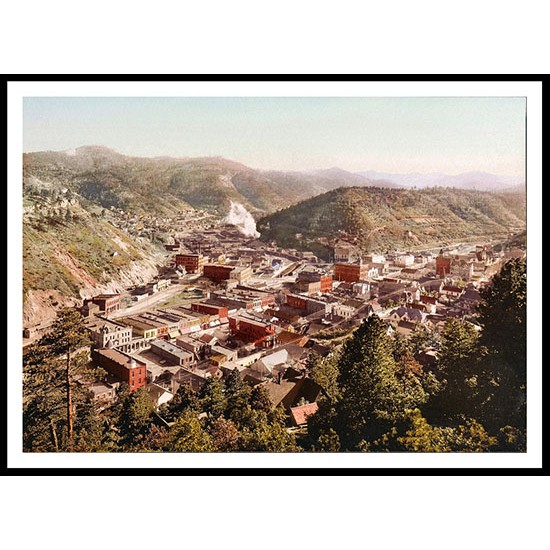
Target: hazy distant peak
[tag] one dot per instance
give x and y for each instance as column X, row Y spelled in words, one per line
column 482, row 181
column 94, row 150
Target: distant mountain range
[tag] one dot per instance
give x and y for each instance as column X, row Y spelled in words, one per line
column 481, row 181
column 162, row 185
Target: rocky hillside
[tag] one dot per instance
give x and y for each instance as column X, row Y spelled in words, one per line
column 71, row 252
column 384, row 219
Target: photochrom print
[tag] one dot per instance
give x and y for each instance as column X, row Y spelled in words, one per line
column 258, row 274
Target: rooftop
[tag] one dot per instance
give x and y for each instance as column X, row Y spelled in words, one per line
column 300, row 414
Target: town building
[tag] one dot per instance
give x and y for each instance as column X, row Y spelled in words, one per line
column 307, row 304
column 217, row 272
column 411, row 273
column 122, row 366
column 345, row 252
column 350, row 273
column 172, row 353
column 312, row 282
column 443, row 265
column 89, row 310
column 252, row 331
column 140, row 327
column 193, row 263
column 404, row 260
column 220, row 355
column 103, row 393
column 187, row 323
column 241, row 274
column 105, row 333
column 196, row 346
column 361, row 289
column 374, row 259
column 108, row 303
column 159, row 395
column 451, row 291
column 211, row 309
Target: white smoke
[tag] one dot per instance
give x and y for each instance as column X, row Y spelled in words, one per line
column 242, row 218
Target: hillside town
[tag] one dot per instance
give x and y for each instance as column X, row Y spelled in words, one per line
column 226, row 301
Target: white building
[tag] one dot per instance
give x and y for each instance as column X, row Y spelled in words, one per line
column 404, row 260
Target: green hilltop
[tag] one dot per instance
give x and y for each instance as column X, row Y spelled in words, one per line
column 379, row 219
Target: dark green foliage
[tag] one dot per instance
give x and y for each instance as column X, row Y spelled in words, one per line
column 188, row 436
column 56, row 410
column 212, row 397
column 324, row 370
column 238, row 395
column 184, row 399
column 266, row 432
column 502, row 315
column 135, row 419
column 415, row 434
column 375, row 390
column 459, row 366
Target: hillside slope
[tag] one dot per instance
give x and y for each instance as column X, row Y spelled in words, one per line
column 71, row 253
column 385, row 219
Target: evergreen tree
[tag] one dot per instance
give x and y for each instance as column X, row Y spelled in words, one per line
column 135, row 419
column 459, row 371
column 51, row 395
column 238, row 395
column 266, row 432
column 324, row 370
column 67, row 337
column 212, row 397
column 415, row 434
column 185, row 399
column 502, row 316
column 372, row 394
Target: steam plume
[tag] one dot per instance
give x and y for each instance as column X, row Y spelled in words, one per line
column 242, row 218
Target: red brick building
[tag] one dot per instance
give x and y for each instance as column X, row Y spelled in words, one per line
column 443, row 265
column 107, row 302
column 193, row 263
column 211, row 309
column 268, row 300
column 252, row 331
column 351, row 273
column 121, row 365
column 297, row 302
column 218, row 273
column 313, row 282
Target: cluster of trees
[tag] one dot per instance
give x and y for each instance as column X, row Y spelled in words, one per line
column 378, row 398
column 224, row 416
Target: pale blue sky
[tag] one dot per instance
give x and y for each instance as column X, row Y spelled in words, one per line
column 450, row 135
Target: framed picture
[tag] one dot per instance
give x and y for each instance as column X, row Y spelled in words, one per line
column 226, row 274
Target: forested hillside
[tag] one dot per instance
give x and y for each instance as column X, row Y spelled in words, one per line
column 384, row 219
